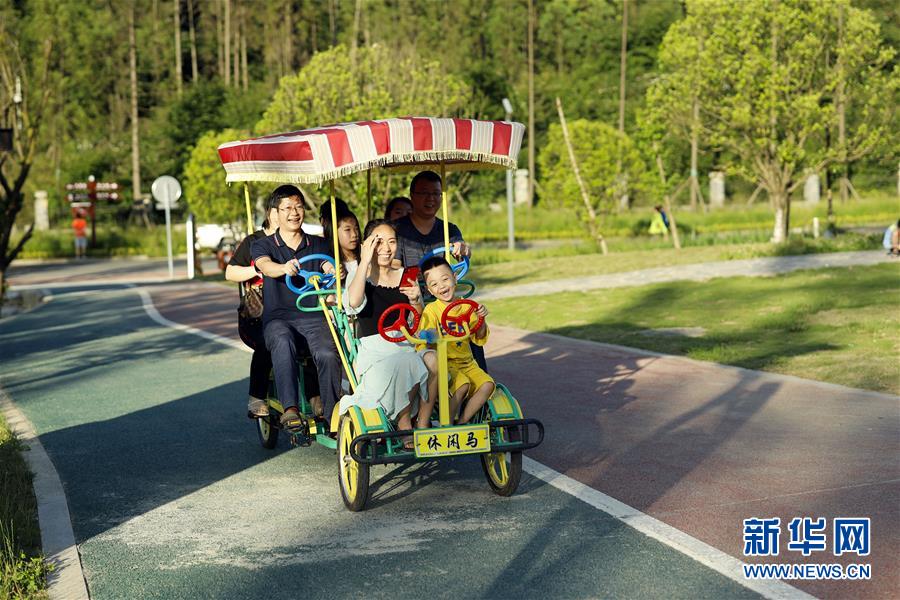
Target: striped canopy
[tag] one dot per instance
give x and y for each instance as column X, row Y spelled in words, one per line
column 313, row 156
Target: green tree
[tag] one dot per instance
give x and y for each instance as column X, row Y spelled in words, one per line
column 374, row 84
column 596, row 147
column 24, row 95
column 765, row 92
column 205, row 192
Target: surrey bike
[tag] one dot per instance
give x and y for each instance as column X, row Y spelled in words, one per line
column 364, row 437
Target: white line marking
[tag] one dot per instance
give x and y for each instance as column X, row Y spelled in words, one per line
column 66, row 582
column 701, row 552
column 147, row 301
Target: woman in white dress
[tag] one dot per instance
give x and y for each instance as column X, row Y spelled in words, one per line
column 391, row 375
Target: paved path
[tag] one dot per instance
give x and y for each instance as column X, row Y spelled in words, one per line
column 766, row 266
column 172, row 497
column 167, row 474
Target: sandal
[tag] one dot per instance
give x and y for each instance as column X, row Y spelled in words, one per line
column 291, row 420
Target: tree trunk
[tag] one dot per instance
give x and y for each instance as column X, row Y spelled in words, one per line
column 236, row 56
column 179, row 77
column 355, row 35
column 781, row 201
column 288, row 50
column 195, row 74
column 245, row 75
column 135, row 124
column 531, row 132
column 621, row 180
column 220, row 38
column 331, row 23
column 695, row 183
column 593, row 223
column 226, row 37
column 840, row 102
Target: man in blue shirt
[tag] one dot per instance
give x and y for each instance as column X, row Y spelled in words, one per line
column 285, row 328
column 420, row 232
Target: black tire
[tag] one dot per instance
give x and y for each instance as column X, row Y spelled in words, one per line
column 353, row 477
column 500, row 485
column 267, row 429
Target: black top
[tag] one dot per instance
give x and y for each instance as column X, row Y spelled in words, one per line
column 412, row 245
column 242, row 256
column 279, row 301
column 378, row 300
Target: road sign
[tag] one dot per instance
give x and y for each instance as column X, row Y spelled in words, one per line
column 167, row 191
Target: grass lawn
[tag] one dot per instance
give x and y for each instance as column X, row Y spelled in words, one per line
column 22, row 571
column 836, row 325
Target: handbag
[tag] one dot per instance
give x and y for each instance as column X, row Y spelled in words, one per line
column 251, row 306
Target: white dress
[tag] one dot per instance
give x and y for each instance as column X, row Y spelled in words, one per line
column 386, row 371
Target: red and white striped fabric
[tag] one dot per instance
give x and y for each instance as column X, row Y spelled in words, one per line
column 324, row 153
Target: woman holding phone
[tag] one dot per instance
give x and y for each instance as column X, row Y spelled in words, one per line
column 391, row 375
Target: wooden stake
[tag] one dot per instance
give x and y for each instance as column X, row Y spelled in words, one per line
column 592, row 214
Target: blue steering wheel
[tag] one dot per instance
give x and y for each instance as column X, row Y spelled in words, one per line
column 325, row 281
column 459, row 269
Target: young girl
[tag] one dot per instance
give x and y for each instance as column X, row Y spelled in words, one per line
column 348, row 236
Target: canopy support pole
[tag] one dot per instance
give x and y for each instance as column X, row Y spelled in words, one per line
column 249, row 210
column 337, row 250
column 368, row 195
column 351, row 376
column 444, row 212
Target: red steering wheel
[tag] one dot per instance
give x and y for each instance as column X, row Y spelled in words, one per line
column 398, row 324
column 463, row 317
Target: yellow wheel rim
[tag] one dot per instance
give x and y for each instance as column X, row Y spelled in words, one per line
column 264, row 427
column 497, row 466
column 349, row 467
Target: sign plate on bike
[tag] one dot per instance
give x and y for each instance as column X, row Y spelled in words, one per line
column 450, row 441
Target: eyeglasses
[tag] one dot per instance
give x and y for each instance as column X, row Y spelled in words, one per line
column 428, row 194
column 289, row 209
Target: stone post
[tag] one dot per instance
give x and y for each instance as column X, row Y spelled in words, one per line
column 41, row 211
column 717, row 188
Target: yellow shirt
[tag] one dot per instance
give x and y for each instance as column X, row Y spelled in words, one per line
column 459, row 351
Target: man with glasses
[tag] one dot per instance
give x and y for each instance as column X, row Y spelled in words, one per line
column 421, row 231
column 288, row 331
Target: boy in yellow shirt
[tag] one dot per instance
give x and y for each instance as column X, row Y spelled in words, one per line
column 467, row 379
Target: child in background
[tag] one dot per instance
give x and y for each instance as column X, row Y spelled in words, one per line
column 348, row 236
column 467, row 379
column 79, row 227
column 397, row 208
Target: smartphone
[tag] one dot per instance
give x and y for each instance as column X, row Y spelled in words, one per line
column 410, row 277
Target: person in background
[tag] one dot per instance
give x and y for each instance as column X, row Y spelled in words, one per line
column 397, row 208
column 79, row 227
column 891, row 240
column 659, row 224
column 241, row 271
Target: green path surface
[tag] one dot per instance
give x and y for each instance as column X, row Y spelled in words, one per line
column 172, row 497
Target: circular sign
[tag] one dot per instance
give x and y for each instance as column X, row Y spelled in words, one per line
column 166, row 190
